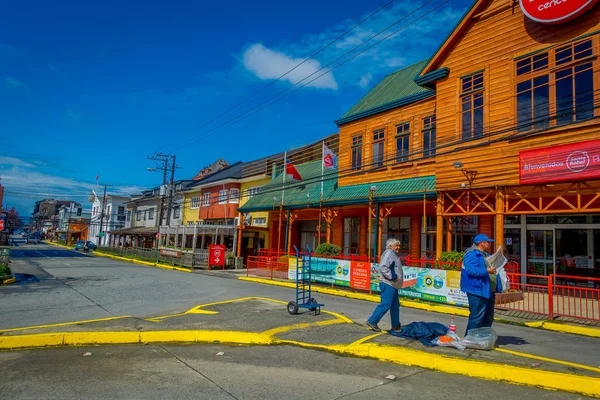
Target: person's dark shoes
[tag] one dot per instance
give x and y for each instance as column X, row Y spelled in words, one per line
column 373, row 327
column 397, row 328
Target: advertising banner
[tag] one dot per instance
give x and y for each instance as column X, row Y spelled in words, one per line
column 420, row 283
column 555, row 11
column 560, row 163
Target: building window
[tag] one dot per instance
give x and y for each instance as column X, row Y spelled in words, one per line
column 223, row 196
column 138, row 216
column 151, row 213
column 429, row 136
column 206, row 199
column 176, row 212
column 108, row 212
column 472, row 105
column 564, row 76
column 398, row 228
column 253, row 191
column 351, row 235
column 259, row 221
column 357, row 152
column 234, row 195
column 121, row 210
column 378, row 147
column 195, row 202
column 128, row 216
column 402, row 142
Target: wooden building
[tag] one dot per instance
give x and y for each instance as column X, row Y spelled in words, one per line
column 497, row 133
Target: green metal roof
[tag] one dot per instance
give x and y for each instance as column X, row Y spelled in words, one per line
column 395, row 87
column 401, row 189
column 296, row 193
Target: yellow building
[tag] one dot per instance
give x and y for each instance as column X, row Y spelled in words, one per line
column 255, row 224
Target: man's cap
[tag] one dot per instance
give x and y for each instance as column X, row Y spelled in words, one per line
column 482, row 237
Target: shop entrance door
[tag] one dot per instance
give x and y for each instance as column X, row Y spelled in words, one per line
column 540, row 252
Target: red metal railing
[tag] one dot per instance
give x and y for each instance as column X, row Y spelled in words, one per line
column 267, row 267
column 574, row 296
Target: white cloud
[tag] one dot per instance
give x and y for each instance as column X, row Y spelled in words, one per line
column 14, row 162
column 365, row 80
column 14, row 83
column 269, row 64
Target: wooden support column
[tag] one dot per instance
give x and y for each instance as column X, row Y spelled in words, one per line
column 240, row 228
column 415, row 236
column 382, row 214
column 499, row 237
column 439, row 226
column 329, row 215
column 195, row 238
column 291, row 217
column 449, row 234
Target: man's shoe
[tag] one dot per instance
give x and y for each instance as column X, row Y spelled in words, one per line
column 397, row 328
column 373, row 327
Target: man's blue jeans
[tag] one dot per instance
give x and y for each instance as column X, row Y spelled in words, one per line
column 389, row 302
column 481, row 311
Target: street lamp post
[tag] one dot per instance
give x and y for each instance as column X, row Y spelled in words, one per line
column 370, row 221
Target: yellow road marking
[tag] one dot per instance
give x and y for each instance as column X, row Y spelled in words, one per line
column 575, row 330
column 552, row 360
column 281, row 329
column 366, row 338
column 63, row 324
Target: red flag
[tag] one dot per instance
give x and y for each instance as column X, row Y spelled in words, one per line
column 291, row 171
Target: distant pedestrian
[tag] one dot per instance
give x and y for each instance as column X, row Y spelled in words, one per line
column 390, row 280
column 480, row 283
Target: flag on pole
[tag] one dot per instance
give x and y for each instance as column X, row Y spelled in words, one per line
column 291, row 171
column 329, row 158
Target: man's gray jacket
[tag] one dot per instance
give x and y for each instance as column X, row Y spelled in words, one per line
column 390, row 269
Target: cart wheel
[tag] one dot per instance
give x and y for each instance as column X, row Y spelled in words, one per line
column 292, row 307
column 313, row 301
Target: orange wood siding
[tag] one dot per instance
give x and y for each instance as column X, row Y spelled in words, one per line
column 216, row 210
column 490, row 43
column 413, row 113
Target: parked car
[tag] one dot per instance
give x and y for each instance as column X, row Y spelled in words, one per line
column 33, row 239
column 81, row 245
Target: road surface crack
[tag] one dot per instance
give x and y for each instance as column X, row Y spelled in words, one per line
column 198, row 372
column 381, row 384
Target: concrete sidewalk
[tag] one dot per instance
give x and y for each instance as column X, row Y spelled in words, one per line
column 263, row 321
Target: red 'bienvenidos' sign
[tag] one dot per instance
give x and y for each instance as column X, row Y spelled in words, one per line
column 555, row 11
column 560, row 163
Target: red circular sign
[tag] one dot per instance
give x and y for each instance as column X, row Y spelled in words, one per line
column 555, row 11
column 1, row 224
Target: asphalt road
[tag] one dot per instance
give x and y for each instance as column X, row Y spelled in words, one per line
column 241, row 372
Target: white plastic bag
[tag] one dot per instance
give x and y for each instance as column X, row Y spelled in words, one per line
column 480, row 338
column 504, row 281
column 448, row 341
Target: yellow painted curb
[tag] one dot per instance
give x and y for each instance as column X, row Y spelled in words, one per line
column 141, row 262
column 573, row 329
column 91, row 338
column 8, row 281
column 584, row 385
column 59, row 245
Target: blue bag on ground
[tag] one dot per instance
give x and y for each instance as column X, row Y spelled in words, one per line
column 480, row 338
column 425, row 332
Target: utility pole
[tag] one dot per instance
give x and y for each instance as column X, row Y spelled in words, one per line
column 102, row 216
column 165, row 163
column 171, row 190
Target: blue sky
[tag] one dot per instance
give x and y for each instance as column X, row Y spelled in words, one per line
column 96, row 88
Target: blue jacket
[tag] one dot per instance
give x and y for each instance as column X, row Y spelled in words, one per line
column 474, row 278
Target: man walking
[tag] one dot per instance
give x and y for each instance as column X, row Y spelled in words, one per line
column 391, row 278
column 480, row 284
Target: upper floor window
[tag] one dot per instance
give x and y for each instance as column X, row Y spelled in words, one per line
column 121, row 210
column 206, row 199
column 234, row 195
column 176, row 211
column 138, row 216
column 402, row 142
column 151, row 213
column 357, row 152
column 555, row 87
column 378, row 147
column 472, row 105
column 429, row 136
column 128, row 216
column 195, row 202
column 253, row 190
column 223, row 196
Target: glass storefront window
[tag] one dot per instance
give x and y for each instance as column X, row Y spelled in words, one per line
column 399, row 228
column 351, row 235
column 512, row 220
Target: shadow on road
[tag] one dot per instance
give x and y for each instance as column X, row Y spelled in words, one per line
column 504, row 340
column 44, row 253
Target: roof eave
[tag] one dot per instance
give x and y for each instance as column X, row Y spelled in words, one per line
column 430, row 77
column 385, row 107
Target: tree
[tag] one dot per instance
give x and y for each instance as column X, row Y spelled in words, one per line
column 13, row 220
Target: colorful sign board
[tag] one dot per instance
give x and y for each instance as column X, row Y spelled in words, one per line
column 421, row 283
column 560, row 163
column 555, row 11
column 216, row 255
